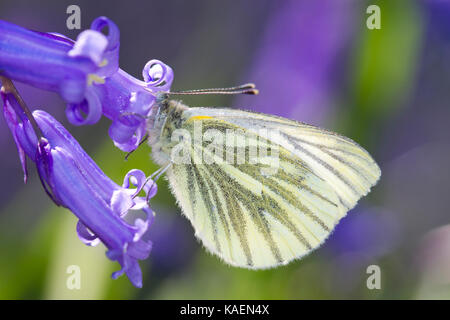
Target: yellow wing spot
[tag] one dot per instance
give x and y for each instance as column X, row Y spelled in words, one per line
column 199, row 118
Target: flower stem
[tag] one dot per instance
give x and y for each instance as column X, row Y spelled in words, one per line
column 8, row 87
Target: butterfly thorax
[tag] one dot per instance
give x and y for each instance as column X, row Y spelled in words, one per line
column 166, row 116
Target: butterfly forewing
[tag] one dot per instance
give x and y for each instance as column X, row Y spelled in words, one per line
column 254, row 217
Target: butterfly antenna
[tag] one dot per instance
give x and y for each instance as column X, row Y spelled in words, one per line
column 248, row 88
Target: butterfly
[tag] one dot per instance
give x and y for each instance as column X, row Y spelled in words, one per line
column 258, row 213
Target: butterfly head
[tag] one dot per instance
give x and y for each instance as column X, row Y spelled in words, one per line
column 161, row 97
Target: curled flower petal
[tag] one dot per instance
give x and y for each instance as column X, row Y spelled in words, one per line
column 113, row 35
column 111, row 55
column 138, row 179
column 124, row 128
column 91, row 107
column 157, row 75
column 90, row 44
column 134, row 178
column 127, row 138
column 87, row 237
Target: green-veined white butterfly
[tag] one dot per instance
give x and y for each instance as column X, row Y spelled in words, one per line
column 245, row 216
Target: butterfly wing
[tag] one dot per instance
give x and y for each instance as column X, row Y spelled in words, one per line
column 340, row 161
column 255, row 220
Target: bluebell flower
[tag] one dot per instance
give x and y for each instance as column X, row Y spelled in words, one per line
column 54, row 62
column 127, row 101
column 86, row 74
column 73, row 180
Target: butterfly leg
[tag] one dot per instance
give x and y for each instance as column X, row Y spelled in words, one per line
column 155, row 176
